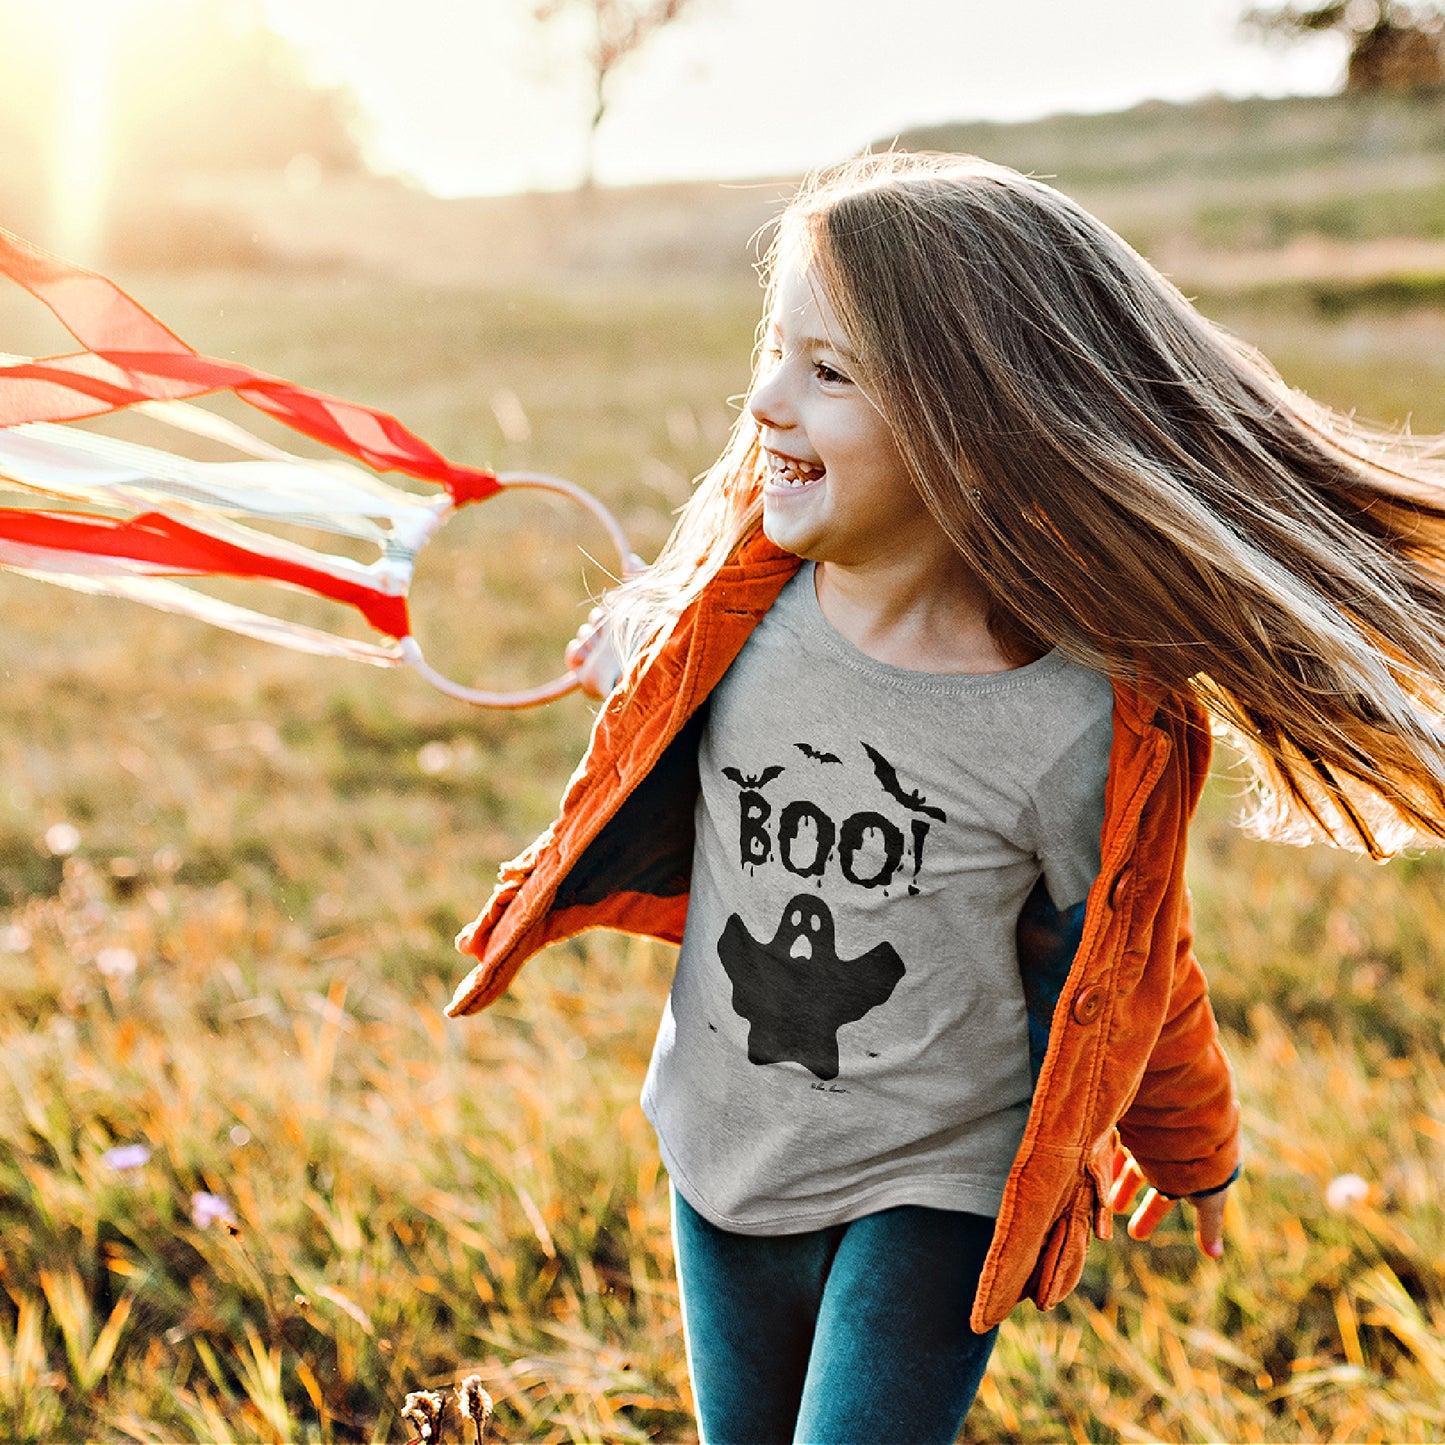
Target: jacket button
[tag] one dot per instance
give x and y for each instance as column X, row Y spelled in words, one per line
column 1088, row 1004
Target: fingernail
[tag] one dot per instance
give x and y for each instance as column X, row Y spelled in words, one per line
column 1216, row 1249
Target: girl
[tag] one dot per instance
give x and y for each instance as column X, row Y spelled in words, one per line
column 915, row 718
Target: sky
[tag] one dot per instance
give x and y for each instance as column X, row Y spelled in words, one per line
column 473, row 97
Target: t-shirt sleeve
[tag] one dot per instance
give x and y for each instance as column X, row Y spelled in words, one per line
column 1069, row 814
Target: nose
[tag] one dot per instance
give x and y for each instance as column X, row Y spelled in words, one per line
column 768, row 401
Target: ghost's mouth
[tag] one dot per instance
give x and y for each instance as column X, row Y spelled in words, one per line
column 802, row 947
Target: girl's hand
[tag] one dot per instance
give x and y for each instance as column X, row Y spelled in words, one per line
column 592, row 656
column 1208, row 1208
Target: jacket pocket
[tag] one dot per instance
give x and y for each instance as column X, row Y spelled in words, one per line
column 1061, row 1260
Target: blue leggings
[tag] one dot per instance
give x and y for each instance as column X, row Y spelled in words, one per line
column 855, row 1333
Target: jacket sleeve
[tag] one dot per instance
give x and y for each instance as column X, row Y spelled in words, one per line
column 1182, row 1126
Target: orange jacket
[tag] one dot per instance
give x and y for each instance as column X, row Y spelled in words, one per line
column 1132, row 1049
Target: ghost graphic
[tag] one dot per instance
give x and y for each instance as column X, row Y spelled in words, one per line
column 795, row 992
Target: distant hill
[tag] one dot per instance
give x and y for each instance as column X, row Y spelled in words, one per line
column 1250, row 194
column 1225, row 195
column 1211, row 140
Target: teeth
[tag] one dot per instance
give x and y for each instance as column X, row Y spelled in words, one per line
column 789, row 473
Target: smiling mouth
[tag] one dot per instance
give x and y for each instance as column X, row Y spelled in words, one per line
column 789, row 472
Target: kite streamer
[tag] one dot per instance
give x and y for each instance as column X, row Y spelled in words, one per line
column 173, row 518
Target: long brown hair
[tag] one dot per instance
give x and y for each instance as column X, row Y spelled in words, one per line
column 1138, row 487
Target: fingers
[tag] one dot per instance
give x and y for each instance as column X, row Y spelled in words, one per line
column 582, row 645
column 1209, row 1223
column 1208, row 1220
column 1128, row 1179
column 591, row 656
column 1145, row 1220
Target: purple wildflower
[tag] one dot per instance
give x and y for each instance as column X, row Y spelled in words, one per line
column 127, row 1156
column 208, row 1209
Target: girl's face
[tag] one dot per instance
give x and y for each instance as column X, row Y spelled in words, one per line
column 837, row 490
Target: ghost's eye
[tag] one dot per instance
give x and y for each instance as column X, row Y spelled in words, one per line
column 796, row 918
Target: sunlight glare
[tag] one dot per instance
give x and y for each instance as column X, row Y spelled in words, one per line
column 87, row 32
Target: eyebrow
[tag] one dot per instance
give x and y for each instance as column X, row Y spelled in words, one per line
column 809, row 343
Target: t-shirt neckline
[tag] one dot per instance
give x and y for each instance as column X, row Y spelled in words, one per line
column 854, row 657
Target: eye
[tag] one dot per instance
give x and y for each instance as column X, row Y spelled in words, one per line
column 829, row 375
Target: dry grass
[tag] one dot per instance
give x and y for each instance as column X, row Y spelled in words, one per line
column 238, row 956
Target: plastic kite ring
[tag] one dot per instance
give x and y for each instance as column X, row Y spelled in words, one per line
column 629, row 565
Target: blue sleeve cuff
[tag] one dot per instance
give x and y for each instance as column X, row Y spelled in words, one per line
column 1205, row 1193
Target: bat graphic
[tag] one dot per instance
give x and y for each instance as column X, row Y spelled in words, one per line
column 761, row 781
column 817, row 755
column 888, row 776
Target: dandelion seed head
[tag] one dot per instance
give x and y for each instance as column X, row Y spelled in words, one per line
column 434, row 758
column 474, row 1402
column 423, row 1408
column 116, row 964
column 62, row 839
column 1345, row 1191
column 15, row 938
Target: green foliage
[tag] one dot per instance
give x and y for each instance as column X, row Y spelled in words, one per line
column 1366, row 215
column 1293, row 138
column 1185, row 181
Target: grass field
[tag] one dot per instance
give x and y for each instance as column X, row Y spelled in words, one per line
column 230, row 877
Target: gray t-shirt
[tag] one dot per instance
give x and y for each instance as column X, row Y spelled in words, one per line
column 846, row 1029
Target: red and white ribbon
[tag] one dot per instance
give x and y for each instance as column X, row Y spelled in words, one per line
column 180, row 518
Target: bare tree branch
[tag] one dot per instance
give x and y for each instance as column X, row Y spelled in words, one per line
column 618, row 29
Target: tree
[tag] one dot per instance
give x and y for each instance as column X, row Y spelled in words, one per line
column 1394, row 45
column 618, row 28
